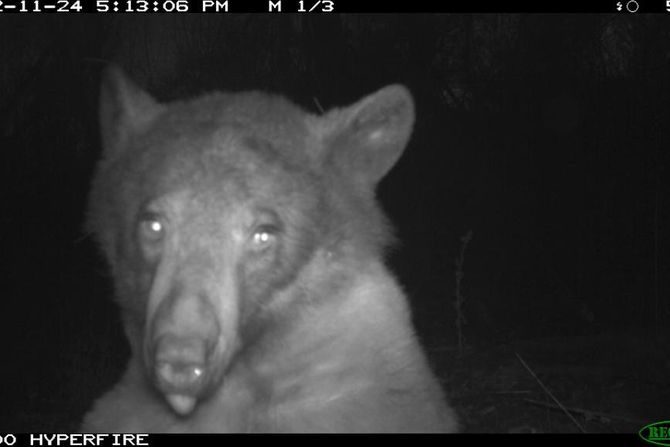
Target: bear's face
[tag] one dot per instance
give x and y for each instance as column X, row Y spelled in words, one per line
column 212, row 230
column 208, row 209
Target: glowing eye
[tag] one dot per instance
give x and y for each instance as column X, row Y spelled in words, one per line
column 264, row 236
column 155, row 226
column 152, row 227
column 261, row 238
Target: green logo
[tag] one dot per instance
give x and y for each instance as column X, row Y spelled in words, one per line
column 657, row 433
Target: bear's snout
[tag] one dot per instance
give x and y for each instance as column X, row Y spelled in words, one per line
column 184, row 349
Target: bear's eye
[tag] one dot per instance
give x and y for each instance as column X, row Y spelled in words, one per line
column 151, row 227
column 264, row 236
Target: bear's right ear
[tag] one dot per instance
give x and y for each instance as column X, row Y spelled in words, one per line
column 366, row 139
column 125, row 109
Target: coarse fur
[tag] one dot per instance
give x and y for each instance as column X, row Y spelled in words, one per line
column 246, row 248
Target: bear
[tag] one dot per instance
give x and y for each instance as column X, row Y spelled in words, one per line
column 247, row 252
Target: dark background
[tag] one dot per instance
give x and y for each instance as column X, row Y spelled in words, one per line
column 545, row 136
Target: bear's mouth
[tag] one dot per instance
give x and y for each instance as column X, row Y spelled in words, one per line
column 181, row 370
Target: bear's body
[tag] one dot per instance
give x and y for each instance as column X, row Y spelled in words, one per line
column 246, row 248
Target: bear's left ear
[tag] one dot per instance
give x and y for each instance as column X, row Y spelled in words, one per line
column 125, row 109
column 364, row 140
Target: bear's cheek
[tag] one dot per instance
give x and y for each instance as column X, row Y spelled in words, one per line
column 260, row 277
column 136, row 275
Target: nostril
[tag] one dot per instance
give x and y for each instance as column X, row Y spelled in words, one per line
column 184, row 350
column 180, row 375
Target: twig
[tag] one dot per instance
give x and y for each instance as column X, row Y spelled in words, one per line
column 460, row 299
column 587, row 412
column 546, row 390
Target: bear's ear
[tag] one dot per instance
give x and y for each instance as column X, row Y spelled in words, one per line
column 364, row 140
column 124, row 110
